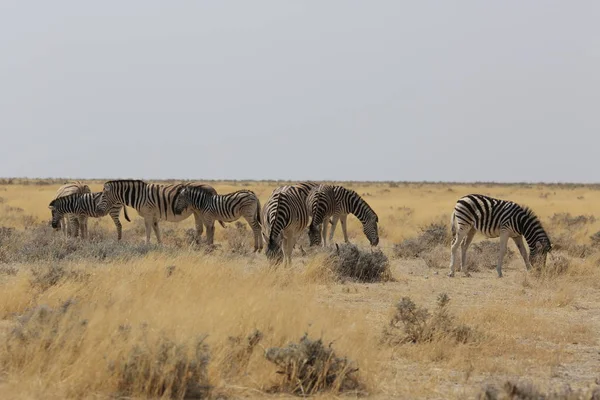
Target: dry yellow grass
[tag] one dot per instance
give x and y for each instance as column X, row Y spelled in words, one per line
column 540, row 329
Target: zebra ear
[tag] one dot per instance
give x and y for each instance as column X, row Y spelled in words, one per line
column 106, row 187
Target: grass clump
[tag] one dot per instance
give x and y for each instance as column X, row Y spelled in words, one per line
column 164, row 369
column 432, row 235
column 308, row 367
column 348, row 261
column 527, row 391
column 413, row 324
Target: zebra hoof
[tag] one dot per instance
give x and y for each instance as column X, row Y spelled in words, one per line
column 451, row 275
column 466, row 274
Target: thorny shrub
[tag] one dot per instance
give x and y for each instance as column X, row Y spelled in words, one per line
column 527, row 391
column 164, row 369
column 413, row 324
column 432, row 235
column 308, row 367
column 348, row 261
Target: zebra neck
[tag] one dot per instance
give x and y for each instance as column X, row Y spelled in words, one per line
column 533, row 232
column 360, row 209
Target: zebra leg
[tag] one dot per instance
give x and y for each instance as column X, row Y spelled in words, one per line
column 521, row 246
column 255, row 225
column 288, row 246
column 199, row 226
column 74, row 222
column 210, row 230
column 148, row 223
column 114, row 214
column 503, row 243
column 343, row 220
column 456, row 242
column 464, row 247
column 334, row 221
column 324, row 232
column 156, row 231
column 83, row 226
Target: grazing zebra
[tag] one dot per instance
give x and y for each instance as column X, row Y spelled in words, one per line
column 83, row 206
column 285, row 216
column 70, row 224
column 321, row 206
column 222, row 207
column 152, row 202
column 497, row 218
column 349, row 202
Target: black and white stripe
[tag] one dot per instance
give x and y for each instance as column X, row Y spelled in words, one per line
column 152, row 202
column 82, row 206
column 223, row 208
column 285, row 217
column 321, row 206
column 497, row 218
column 349, row 202
column 70, row 223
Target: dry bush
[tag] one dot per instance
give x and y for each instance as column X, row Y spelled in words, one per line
column 237, row 239
column 239, row 352
column 556, row 264
column 568, row 221
column 595, row 238
column 527, row 391
column 413, row 324
column 431, row 236
column 43, row 244
column 348, row 261
column 308, row 367
column 164, row 368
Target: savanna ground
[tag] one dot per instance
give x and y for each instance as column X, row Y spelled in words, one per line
column 103, row 319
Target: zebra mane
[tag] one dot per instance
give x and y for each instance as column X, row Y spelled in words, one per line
column 362, row 201
column 127, row 181
column 533, row 216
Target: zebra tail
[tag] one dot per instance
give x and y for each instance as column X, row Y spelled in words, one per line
column 453, row 224
column 271, row 237
column 222, row 223
column 125, row 213
column 258, row 215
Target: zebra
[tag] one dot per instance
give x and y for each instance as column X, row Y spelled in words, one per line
column 153, row 202
column 70, row 224
column 349, row 202
column 285, row 216
column 321, row 206
column 83, row 206
column 497, row 218
column 222, row 207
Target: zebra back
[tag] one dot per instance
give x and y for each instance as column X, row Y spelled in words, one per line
column 144, row 197
column 349, row 202
column 489, row 215
column 286, row 208
column 72, row 188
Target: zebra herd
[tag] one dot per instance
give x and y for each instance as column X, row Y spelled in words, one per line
column 288, row 212
column 279, row 223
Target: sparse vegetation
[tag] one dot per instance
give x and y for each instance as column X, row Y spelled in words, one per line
column 413, row 324
column 105, row 319
column 308, row 367
column 527, row 391
column 347, row 261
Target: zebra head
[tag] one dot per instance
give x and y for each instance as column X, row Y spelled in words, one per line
column 274, row 252
column 57, row 216
column 314, row 234
column 538, row 253
column 370, row 230
column 182, row 201
column 108, row 198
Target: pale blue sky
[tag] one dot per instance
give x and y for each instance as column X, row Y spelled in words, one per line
column 341, row 90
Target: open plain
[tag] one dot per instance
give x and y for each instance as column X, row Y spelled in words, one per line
column 101, row 318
